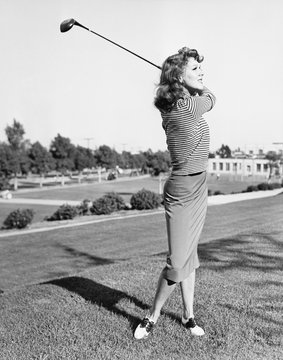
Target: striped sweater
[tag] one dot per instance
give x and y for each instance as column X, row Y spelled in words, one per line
column 187, row 133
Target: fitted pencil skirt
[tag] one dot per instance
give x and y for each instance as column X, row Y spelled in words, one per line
column 185, row 202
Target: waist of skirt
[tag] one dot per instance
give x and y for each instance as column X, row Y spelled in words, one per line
column 191, row 174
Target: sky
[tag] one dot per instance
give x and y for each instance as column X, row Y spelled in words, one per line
column 82, row 87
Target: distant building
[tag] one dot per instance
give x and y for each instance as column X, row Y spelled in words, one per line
column 240, row 154
column 242, row 167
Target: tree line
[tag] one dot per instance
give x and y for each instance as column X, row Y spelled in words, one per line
column 19, row 156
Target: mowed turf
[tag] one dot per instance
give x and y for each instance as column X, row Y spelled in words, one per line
column 126, row 188
column 95, row 282
column 44, row 255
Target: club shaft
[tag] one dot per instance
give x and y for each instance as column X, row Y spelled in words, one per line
column 120, row 46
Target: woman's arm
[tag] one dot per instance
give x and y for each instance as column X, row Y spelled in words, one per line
column 207, row 92
column 198, row 105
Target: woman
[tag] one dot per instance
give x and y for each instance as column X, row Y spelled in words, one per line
column 182, row 100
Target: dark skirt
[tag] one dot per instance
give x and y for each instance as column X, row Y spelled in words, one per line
column 185, row 202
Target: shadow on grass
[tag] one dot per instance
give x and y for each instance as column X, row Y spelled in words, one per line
column 251, row 251
column 84, row 260
column 255, row 251
column 252, row 313
column 72, row 260
column 106, row 297
column 101, row 295
column 261, row 284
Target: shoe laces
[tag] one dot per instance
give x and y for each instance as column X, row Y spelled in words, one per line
column 191, row 323
column 147, row 324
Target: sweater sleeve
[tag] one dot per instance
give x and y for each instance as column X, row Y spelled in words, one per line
column 207, row 92
column 198, row 105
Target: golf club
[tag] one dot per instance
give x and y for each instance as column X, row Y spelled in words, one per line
column 67, row 25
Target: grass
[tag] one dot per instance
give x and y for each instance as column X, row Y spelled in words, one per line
column 125, row 188
column 59, row 252
column 89, row 286
column 92, row 191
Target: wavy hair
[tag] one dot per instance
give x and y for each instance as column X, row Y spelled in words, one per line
column 170, row 88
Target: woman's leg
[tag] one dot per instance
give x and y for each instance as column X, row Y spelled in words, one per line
column 187, row 290
column 164, row 289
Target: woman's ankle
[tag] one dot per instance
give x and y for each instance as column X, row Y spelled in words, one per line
column 154, row 316
column 188, row 314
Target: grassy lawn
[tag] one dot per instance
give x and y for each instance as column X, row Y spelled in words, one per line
column 89, row 286
column 93, row 191
column 126, row 188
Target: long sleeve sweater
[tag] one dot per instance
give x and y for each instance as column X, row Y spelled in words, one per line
column 187, row 133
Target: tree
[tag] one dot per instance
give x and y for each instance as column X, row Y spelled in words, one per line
column 161, row 162
column 83, row 158
column 63, row 151
column 274, row 160
column 128, row 160
column 139, row 160
column 18, row 157
column 224, row 151
column 41, row 159
column 6, row 160
column 157, row 162
column 15, row 135
column 272, row 156
column 106, row 157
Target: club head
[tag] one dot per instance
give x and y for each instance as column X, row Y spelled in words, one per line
column 66, row 25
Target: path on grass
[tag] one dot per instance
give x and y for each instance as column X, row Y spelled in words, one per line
column 83, row 221
column 212, row 200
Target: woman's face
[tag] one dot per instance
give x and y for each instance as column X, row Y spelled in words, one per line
column 193, row 75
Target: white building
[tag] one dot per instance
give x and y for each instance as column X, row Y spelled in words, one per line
column 257, row 168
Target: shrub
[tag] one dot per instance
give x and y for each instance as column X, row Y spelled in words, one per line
column 218, row 192
column 145, row 199
column 251, row 188
column 84, row 207
column 65, row 212
column 107, row 204
column 262, row 186
column 111, row 176
column 273, row 186
column 4, row 184
column 18, row 219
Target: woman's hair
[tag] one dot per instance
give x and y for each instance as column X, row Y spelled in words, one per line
column 170, row 88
